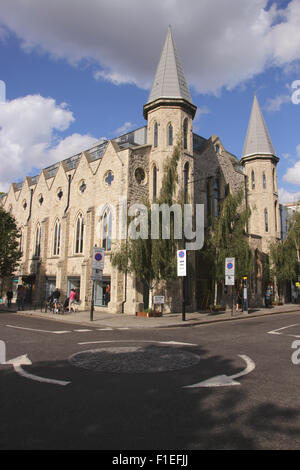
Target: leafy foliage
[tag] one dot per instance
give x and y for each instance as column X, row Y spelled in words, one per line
column 227, row 238
column 285, row 254
column 9, row 245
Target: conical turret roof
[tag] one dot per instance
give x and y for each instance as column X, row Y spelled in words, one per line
column 169, row 80
column 258, row 141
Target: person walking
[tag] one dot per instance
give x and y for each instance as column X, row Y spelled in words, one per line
column 21, row 296
column 239, row 297
column 9, row 296
column 72, row 300
column 268, row 296
column 55, row 296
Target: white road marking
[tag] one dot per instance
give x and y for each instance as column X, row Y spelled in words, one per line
column 278, row 331
column 82, row 330
column 139, row 341
column 17, row 362
column 104, row 329
column 34, row 329
column 225, row 380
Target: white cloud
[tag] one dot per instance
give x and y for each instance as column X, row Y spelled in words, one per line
column 127, row 126
column 286, row 196
column 292, row 174
column 220, row 43
column 274, row 104
column 29, row 136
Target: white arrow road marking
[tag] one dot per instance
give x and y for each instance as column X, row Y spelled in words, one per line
column 17, row 362
column 224, row 380
column 278, row 331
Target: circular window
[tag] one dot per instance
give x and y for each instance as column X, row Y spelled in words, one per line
column 60, row 193
column 82, row 186
column 108, row 178
column 140, row 175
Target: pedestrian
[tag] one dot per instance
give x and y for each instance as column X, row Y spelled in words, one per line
column 107, row 294
column 9, row 295
column 268, row 296
column 239, row 298
column 72, row 300
column 56, row 296
column 20, row 296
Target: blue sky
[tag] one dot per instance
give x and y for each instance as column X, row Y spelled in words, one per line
column 76, row 72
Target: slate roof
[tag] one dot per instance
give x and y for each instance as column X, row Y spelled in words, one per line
column 258, row 141
column 169, row 80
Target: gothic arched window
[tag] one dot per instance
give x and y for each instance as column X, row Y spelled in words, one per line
column 216, row 197
column 38, row 235
column 252, row 179
column 170, row 134
column 266, row 220
column 185, row 132
column 264, row 181
column 185, row 180
column 56, row 240
column 79, row 234
column 155, row 134
column 107, row 228
column 154, row 183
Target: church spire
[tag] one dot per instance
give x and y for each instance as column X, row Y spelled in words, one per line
column 258, row 141
column 169, row 81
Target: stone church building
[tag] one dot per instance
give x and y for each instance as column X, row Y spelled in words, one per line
column 72, row 206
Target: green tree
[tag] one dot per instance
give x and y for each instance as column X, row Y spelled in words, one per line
column 285, row 254
column 227, row 238
column 9, row 246
column 153, row 260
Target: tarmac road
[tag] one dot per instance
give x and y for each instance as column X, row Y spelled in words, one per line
column 88, row 387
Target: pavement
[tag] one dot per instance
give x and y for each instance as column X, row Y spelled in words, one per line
column 171, row 320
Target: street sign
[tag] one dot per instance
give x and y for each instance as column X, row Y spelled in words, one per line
column 229, row 266
column 229, row 280
column 181, row 263
column 98, row 258
column 97, row 274
column 158, row 299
